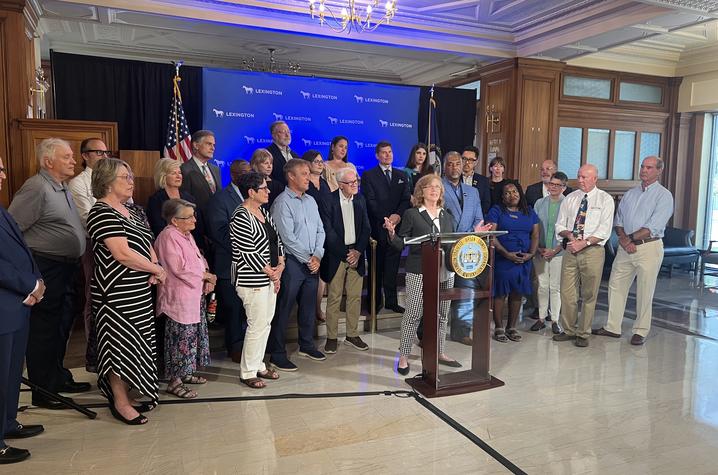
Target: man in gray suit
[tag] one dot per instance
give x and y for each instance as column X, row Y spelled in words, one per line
column 200, row 178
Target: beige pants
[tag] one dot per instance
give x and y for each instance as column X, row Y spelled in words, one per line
column 644, row 264
column 548, row 274
column 580, row 271
column 349, row 279
column 259, row 303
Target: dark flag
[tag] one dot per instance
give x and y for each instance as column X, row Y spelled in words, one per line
column 178, row 145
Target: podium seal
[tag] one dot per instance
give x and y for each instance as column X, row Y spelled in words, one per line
column 469, row 256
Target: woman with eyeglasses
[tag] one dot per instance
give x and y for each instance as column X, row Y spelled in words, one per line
column 426, row 217
column 125, row 268
column 181, row 299
column 338, row 158
column 261, row 162
column 513, row 258
column 417, row 165
column 257, row 266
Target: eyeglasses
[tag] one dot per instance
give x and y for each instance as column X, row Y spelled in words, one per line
column 317, row 161
column 265, row 187
column 193, row 216
column 467, row 159
column 106, row 153
column 353, row 182
column 128, row 178
column 556, row 184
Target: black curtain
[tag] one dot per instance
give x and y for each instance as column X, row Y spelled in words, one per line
column 135, row 94
column 455, row 116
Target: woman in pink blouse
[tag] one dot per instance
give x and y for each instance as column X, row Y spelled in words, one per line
column 181, row 300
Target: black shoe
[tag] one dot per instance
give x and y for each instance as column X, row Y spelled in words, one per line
column 563, row 337
column 75, row 387
column 283, row 365
column 13, row 455
column 139, row 420
column 356, row 342
column 396, row 308
column 539, row 325
column 23, row 432
column 451, row 363
column 403, row 371
column 330, row 347
column 313, row 354
column 581, row 342
column 49, row 403
column 548, row 318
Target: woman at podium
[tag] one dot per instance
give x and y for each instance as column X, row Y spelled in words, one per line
column 514, row 252
column 426, row 217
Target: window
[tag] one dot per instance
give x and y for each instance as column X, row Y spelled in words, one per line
column 570, row 140
column 623, row 152
column 587, row 87
column 629, row 91
column 597, row 150
column 650, row 144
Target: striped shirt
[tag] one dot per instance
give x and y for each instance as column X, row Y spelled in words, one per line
column 250, row 248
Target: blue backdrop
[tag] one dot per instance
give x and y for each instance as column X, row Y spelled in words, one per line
column 239, row 106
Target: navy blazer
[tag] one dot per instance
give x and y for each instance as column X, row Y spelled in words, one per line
column 335, row 251
column 481, row 183
column 470, row 215
column 18, row 275
column 278, row 162
column 535, row 192
column 219, row 212
column 383, row 200
column 194, row 182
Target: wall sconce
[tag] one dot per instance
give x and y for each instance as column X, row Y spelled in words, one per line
column 493, row 120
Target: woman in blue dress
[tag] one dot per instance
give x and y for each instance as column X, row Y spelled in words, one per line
column 512, row 261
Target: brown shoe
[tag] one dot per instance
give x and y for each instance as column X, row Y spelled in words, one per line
column 638, row 340
column 581, row 342
column 603, row 332
column 563, row 337
column 467, row 340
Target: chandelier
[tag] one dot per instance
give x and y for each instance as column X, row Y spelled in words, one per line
column 349, row 17
column 272, row 65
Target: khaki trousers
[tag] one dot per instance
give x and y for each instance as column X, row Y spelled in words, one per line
column 580, row 271
column 349, row 279
column 644, row 264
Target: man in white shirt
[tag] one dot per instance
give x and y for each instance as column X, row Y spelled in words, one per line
column 640, row 222
column 92, row 151
column 584, row 225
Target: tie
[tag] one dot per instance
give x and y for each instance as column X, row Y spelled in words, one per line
column 387, row 174
column 580, row 221
column 208, row 177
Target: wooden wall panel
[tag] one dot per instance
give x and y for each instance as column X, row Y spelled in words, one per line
column 142, row 163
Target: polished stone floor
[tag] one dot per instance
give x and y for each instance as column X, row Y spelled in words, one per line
column 610, row 408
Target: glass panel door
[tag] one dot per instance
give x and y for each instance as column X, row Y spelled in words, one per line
column 711, row 227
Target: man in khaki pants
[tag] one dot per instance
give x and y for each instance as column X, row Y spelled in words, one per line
column 640, row 222
column 347, row 228
column 583, row 224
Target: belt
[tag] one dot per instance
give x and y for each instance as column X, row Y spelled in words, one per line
column 50, row 257
column 638, row 242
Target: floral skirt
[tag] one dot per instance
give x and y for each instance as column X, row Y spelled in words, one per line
column 186, row 347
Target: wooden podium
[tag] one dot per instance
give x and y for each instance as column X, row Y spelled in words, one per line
column 477, row 377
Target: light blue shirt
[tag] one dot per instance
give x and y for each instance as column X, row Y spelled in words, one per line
column 650, row 209
column 299, row 225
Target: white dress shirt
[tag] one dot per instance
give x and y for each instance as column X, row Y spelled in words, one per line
column 81, row 189
column 202, row 168
column 347, row 206
column 599, row 215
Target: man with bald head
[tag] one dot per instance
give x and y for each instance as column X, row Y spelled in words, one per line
column 281, row 153
column 584, row 225
column 540, row 189
column 640, row 222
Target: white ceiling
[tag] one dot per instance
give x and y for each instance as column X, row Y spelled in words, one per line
column 428, row 41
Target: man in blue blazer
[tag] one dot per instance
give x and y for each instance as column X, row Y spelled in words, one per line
column 464, row 203
column 469, row 157
column 387, row 194
column 281, row 153
column 21, row 287
column 347, row 229
column 231, row 309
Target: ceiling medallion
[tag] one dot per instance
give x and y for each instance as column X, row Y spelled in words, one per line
column 349, row 18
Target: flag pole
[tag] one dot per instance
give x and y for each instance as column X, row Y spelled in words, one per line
column 431, row 101
column 177, row 93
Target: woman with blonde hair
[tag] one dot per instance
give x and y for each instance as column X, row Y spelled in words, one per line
column 168, row 179
column 426, row 217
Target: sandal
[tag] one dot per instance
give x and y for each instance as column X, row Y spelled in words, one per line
column 181, row 391
column 513, row 334
column 268, row 374
column 254, row 383
column 144, row 406
column 192, row 379
column 500, row 335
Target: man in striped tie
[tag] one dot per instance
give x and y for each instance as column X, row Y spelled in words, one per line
column 200, row 178
column 584, row 224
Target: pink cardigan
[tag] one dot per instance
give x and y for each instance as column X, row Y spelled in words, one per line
column 179, row 296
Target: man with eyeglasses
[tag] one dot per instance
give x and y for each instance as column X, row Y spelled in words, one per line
column 347, row 228
column 281, row 153
column 541, row 189
column 469, row 157
column 92, row 151
column 48, row 218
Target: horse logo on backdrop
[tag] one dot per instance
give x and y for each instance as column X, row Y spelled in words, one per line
column 277, row 116
column 359, row 99
column 307, row 142
column 306, row 95
column 248, row 90
column 332, row 120
column 249, row 139
column 469, row 256
column 218, row 113
column 359, row 144
column 384, row 123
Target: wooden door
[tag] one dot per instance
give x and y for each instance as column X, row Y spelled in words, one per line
column 535, row 124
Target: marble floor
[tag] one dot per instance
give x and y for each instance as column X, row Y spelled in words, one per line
column 610, row 408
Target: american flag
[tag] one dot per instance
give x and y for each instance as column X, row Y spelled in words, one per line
column 178, row 145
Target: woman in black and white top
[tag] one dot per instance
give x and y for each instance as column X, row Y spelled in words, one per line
column 426, row 217
column 257, row 265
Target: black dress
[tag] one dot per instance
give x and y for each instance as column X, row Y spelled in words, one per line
column 122, row 303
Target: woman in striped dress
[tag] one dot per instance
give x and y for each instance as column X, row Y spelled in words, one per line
column 125, row 268
column 257, row 265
